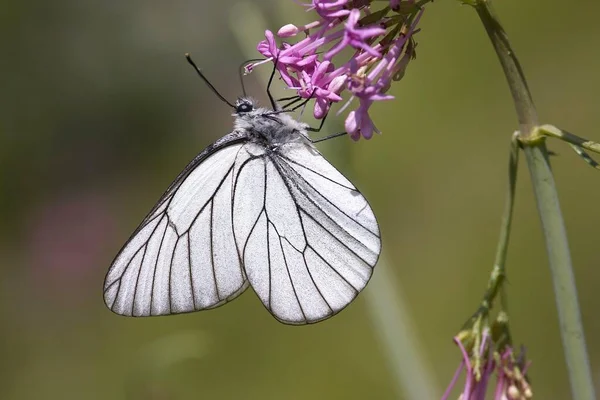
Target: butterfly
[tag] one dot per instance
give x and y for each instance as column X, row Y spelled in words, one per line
column 260, row 207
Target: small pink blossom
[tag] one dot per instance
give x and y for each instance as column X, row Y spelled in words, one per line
column 359, row 122
column 509, row 370
column 356, row 37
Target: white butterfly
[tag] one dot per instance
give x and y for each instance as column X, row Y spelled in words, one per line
column 261, row 206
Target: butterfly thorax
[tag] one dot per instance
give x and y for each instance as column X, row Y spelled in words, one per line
column 270, row 128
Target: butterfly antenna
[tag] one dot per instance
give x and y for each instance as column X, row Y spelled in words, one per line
column 215, row 91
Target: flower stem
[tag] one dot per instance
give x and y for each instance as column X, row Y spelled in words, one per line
column 548, row 205
column 524, row 106
column 499, row 272
column 498, row 275
column 562, row 273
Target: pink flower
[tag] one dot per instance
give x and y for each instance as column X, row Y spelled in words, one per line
column 511, row 382
column 359, row 123
column 316, row 84
column 381, row 46
column 356, row 37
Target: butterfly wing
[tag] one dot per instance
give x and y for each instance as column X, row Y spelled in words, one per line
column 183, row 257
column 308, row 240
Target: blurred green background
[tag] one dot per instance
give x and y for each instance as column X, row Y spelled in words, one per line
column 100, row 111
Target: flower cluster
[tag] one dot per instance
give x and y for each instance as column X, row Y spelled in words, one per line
column 381, row 45
column 511, row 382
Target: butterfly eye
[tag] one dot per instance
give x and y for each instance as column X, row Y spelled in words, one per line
column 244, row 108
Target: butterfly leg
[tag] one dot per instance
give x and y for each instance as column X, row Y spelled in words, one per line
column 328, row 137
column 311, row 129
column 302, row 104
column 294, row 99
column 273, row 103
column 288, row 98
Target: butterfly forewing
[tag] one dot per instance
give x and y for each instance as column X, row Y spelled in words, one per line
column 183, row 258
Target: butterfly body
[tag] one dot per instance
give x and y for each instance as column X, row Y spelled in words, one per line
column 270, row 129
column 259, row 207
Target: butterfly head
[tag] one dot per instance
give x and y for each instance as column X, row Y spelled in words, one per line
column 244, row 106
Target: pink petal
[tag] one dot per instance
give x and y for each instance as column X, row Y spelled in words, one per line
column 307, row 60
column 320, row 71
column 272, row 44
column 380, row 97
column 351, row 124
column 333, row 97
column 337, row 84
column 263, row 48
column 366, row 128
column 353, row 18
column 366, row 33
column 321, row 108
column 338, row 14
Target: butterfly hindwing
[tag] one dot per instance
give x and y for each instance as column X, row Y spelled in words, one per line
column 311, row 242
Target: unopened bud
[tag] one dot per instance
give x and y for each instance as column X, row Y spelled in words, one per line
column 513, row 392
column 288, row 30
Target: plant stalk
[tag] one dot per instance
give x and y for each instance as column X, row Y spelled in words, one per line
column 499, row 272
column 526, row 112
column 498, row 275
column 548, row 206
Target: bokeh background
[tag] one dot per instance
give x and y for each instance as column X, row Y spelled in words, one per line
column 99, row 111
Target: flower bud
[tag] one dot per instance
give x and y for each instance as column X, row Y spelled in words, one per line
column 288, row 30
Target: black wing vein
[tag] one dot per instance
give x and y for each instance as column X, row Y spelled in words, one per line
column 156, row 283
column 286, row 158
column 297, row 175
column 289, row 276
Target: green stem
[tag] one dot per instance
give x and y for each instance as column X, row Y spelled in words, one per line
column 549, row 209
column 499, row 272
column 523, row 101
column 498, row 275
column 564, row 282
